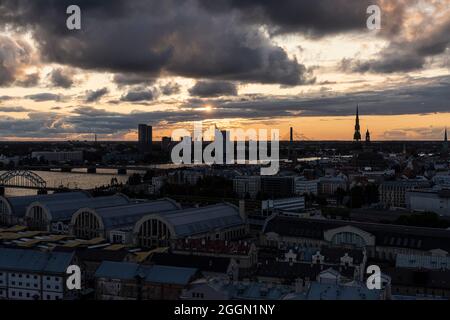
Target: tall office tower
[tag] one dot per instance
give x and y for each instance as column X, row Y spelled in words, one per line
column 145, row 138
column 357, row 135
column 165, row 143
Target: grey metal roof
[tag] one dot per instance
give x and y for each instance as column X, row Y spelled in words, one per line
column 128, row 215
column 118, row 270
column 155, row 273
column 170, row 275
column 199, row 220
column 64, row 209
column 34, row 261
column 20, row 204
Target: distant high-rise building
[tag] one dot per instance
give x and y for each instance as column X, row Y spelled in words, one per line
column 165, row 143
column 145, row 137
column 357, row 135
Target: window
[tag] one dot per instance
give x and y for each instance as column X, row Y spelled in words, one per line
column 348, row 238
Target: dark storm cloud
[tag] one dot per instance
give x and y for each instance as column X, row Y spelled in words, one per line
column 317, row 17
column 408, row 99
column 95, row 95
column 170, row 88
column 389, row 62
column 173, row 36
column 213, row 89
column 138, row 95
column 14, row 56
column 61, row 78
column 40, row 97
column 30, row 80
column 131, row 79
column 405, row 55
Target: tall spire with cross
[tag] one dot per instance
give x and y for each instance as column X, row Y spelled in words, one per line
column 357, row 135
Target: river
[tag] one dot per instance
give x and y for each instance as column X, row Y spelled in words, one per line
column 75, row 179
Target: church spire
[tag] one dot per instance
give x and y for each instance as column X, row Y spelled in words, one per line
column 357, row 135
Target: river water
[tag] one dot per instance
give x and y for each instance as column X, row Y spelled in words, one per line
column 75, row 179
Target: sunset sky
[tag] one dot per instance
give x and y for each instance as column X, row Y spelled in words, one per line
column 235, row 63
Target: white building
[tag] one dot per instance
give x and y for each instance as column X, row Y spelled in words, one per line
column 429, row 200
column 303, row 186
column 393, row 193
column 416, row 261
column 33, row 275
column 296, row 204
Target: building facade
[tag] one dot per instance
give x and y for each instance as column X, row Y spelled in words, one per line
column 145, row 137
column 393, row 193
column 33, row 275
column 304, row 186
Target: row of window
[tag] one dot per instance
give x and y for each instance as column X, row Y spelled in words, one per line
column 27, row 276
column 21, row 294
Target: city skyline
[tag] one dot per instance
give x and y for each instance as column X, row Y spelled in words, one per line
column 258, row 66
